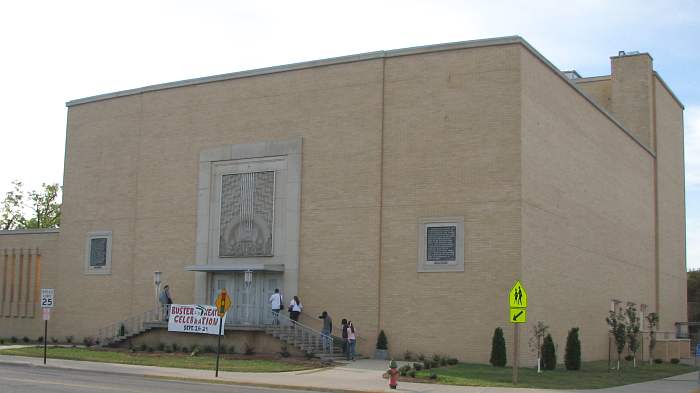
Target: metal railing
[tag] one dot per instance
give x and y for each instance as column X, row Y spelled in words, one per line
column 130, row 326
column 301, row 336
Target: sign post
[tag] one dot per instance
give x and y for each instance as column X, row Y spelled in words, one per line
column 223, row 303
column 517, row 300
column 47, row 302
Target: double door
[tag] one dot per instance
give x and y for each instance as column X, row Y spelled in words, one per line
column 250, row 304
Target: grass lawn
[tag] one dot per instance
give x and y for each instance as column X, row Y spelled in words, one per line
column 177, row 360
column 593, row 375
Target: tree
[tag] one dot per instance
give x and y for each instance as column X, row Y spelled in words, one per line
column 11, row 210
column 652, row 324
column 632, row 329
column 539, row 331
column 572, row 356
column 549, row 355
column 46, row 208
column 382, row 342
column 616, row 322
column 498, row 349
column 694, row 295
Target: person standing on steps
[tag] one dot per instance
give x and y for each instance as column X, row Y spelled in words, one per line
column 344, row 333
column 165, row 301
column 295, row 308
column 352, row 337
column 326, row 331
column 276, row 303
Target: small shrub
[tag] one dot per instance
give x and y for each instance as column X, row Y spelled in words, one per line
column 412, row 373
column 572, row 356
column 69, row 339
column 427, row 364
column 195, row 350
column 443, row 361
column 421, row 357
column 498, row 349
column 658, row 360
column 675, row 360
column 549, row 356
column 433, row 375
column 284, row 351
column 97, row 341
column 88, row 342
column 2, row 341
column 175, row 347
column 308, row 355
column 13, row 339
column 54, row 340
column 403, row 370
column 161, row 346
column 382, row 342
column 208, row 349
column 40, row 339
column 143, row 347
column 132, row 349
column 418, row 366
column 26, row 339
column 149, row 349
column 628, row 358
column 250, row 350
column 168, row 349
column 232, row 349
column 184, row 349
column 452, row 361
column 408, row 356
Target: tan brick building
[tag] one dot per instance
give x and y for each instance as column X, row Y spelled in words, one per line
column 405, row 190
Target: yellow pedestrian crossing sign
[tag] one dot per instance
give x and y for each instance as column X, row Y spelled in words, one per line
column 518, row 315
column 518, row 296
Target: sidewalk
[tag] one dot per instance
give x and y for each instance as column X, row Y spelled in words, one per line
column 359, row 376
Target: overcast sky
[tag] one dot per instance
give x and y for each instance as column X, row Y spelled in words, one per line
column 56, row 51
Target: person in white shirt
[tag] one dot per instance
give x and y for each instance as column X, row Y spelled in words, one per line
column 352, row 337
column 276, row 303
column 295, row 308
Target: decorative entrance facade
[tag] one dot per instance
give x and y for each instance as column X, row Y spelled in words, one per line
column 248, row 221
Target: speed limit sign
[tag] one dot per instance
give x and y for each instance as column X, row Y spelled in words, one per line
column 47, row 297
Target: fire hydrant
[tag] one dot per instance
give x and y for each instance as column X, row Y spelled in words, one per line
column 393, row 375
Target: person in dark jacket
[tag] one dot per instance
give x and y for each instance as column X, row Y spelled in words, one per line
column 344, row 333
column 327, row 331
column 165, row 301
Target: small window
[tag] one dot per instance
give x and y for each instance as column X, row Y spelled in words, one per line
column 98, row 253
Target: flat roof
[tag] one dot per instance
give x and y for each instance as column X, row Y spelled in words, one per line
column 509, row 40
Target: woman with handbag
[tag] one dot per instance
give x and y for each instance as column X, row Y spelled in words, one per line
column 295, row 308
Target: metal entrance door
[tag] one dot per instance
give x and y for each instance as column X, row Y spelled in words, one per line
column 249, row 302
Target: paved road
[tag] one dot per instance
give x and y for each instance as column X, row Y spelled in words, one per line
column 24, row 379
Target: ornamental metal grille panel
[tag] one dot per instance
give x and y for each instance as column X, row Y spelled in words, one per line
column 247, row 210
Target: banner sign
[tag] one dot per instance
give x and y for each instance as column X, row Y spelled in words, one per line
column 194, row 318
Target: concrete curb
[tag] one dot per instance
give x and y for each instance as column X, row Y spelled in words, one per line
column 21, row 363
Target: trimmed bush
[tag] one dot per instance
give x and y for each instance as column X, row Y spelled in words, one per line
column 418, row 366
column 69, row 339
column 408, row 356
column 26, row 339
column 421, row 357
column 427, row 364
column 250, row 350
column 161, row 346
column 658, row 360
column 452, row 361
column 498, row 349
column 433, row 375
column 40, row 339
column 412, row 373
column 549, row 356
column 629, row 358
column 382, row 342
column 675, row 360
column 168, row 348
column 184, row 349
column 572, row 356
column 175, row 347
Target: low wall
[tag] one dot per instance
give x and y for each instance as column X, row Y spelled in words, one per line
column 258, row 339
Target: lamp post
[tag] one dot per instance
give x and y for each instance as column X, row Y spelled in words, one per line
column 248, row 281
column 156, row 283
